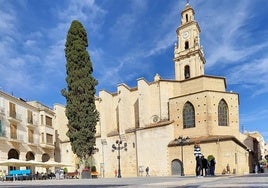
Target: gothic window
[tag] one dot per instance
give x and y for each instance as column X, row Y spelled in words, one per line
column 187, row 71
column 188, row 115
column 186, row 45
column 223, row 113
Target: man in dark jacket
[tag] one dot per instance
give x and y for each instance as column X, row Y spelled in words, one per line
column 205, row 166
column 199, row 166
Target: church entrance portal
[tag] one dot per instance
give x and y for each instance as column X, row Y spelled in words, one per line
column 176, row 167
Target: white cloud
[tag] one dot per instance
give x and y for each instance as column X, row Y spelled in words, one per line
column 256, row 114
column 223, row 30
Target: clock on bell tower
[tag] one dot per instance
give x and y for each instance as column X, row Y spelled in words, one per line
column 188, row 54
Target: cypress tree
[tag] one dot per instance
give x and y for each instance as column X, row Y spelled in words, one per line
column 80, row 93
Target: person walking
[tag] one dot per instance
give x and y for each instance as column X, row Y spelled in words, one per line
column 228, row 171
column 205, row 166
column 147, row 171
column 198, row 155
column 212, row 164
column 198, row 168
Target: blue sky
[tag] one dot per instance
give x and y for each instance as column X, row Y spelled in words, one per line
column 130, row 39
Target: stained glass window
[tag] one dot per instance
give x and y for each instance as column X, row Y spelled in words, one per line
column 188, row 115
column 223, row 113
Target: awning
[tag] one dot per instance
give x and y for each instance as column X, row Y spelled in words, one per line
column 18, row 162
column 14, row 162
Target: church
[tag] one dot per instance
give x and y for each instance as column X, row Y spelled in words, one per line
column 157, row 124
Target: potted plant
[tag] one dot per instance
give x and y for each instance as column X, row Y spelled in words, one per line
column 94, row 173
column 86, row 172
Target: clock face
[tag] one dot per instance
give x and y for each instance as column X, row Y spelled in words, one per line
column 185, row 35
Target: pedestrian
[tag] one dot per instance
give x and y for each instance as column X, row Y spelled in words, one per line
column 228, row 169
column 205, row 166
column 256, row 169
column 198, row 167
column 198, row 154
column 147, row 171
column 212, row 164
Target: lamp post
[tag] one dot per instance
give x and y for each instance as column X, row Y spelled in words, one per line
column 103, row 142
column 182, row 141
column 117, row 146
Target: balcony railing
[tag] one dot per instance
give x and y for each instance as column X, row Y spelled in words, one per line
column 2, row 111
column 31, row 123
column 13, row 136
column 31, row 140
column 47, row 145
column 3, row 133
column 14, row 116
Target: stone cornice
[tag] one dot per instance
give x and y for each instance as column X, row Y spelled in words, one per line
column 190, row 53
column 209, row 139
column 150, row 126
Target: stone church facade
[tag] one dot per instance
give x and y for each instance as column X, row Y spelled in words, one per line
column 146, row 122
column 152, row 116
column 142, row 126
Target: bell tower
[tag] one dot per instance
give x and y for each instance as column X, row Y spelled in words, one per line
column 188, row 54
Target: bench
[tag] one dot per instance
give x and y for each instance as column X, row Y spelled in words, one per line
column 72, row 175
column 19, row 175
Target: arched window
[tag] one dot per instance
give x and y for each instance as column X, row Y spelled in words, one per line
column 13, row 153
column 45, row 157
column 188, row 115
column 186, row 17
column 186, row 45
column 29, row 156
column 223, row 113
column 187, row 72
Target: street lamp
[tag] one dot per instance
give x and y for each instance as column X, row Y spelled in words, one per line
column 103, row 142
column 182, row 141
column 117, row 146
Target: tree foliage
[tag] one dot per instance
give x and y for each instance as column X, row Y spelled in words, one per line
column 80, row 93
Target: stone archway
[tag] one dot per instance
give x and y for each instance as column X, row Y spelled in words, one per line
column 45, row 157
column 29, row 156
column 176, row 167
column 12, row 154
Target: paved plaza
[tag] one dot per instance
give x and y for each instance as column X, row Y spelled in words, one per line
column 251, row 180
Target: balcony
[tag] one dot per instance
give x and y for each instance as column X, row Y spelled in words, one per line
column 47, row 145
column 31, row 123
column 14, row 117
column 2, row 111
column 46, row 129
column 3, row 135
column 15, row 139
column 31, row 142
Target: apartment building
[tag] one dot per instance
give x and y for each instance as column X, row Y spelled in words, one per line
column 26, row 130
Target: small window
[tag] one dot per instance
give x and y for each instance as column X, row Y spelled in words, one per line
column 187, row 72
column 186, row 17
column 186, row 45
column 30, row 136
column 48, row 121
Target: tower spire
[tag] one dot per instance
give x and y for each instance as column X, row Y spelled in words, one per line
column 188, row 54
